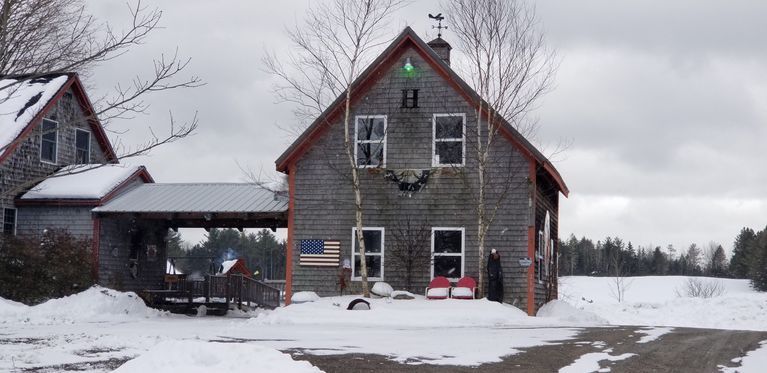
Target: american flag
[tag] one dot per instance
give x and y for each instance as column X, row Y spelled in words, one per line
column 320, row 253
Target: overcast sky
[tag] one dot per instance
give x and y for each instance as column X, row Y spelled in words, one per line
column 665, row 104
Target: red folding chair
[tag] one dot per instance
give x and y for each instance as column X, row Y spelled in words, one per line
column 466, row 288
column 439, row 288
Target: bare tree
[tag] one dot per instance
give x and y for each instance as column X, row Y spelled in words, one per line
column 618, row 284
column 411, row 250
column 510, row 68
column 42, row 37
column 334, row 44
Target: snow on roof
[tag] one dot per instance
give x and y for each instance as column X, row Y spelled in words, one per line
column 20, row 102
column 227, row 265
column 90, row 181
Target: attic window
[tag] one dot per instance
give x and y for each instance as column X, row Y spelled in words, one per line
column 82, row 146
column 9, row 221
column 370, row 135
column 409, row 98
column 49, row 141
column 449, row 139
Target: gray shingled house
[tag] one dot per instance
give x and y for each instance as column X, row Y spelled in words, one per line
column 413, row 118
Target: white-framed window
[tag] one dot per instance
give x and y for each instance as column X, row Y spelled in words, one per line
column 447, row 250
column 448, row 140
column 49, row 141
column 9, row 221
column 82, row 146
column 374, row 253
column 370, row 140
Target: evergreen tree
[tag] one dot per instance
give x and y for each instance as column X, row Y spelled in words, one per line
column 742, row 253
column 758, row 266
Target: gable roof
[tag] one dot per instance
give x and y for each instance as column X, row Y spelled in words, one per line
column 25, row 100
column 408, row 38
column 84, row 184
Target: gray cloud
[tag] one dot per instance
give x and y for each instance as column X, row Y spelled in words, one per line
column 664, row 102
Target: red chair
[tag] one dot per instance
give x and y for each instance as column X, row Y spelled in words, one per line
column 439, row 288
column 466, row 288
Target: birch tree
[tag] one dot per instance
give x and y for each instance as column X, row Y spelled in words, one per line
column 510, row 68
column 334, row 44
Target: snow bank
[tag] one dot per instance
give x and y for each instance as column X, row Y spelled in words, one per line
column 418, row 312
column 652, row 301
column 203, row 357
column 563, row 311
column 92, row 305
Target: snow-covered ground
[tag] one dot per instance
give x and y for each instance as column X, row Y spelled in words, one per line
column 99, row 327
column 653, row 300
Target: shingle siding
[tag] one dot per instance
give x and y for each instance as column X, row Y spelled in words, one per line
column 324, row 201
column 32, row 220
column 24, row 167
column 116, row 243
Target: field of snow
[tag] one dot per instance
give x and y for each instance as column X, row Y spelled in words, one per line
column 102, row 329
column 653, row 300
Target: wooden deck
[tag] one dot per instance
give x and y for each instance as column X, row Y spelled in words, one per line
column 216, row 292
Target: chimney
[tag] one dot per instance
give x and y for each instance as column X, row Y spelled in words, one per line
column 442, row 48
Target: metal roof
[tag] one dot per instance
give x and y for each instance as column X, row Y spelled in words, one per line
column 197, row 198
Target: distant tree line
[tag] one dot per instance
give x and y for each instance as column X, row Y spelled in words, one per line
column 262, row 251
column 614, row 257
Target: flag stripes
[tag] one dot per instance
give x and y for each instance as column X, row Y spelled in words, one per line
column 320, row 253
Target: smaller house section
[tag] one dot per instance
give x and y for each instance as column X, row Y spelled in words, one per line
column 65, row 199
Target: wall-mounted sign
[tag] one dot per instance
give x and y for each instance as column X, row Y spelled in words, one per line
column 525, row 262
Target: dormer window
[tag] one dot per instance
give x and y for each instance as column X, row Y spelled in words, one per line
column 370, row 135
column 409, row 98
column 49, row 141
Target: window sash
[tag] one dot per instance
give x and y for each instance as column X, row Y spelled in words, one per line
column 436, row 161
column 49, row 139
column 372, row 161
column 461, row 254
column 356, row 255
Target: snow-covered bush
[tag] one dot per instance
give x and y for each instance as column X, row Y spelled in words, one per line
column 304, row 296
column 698, row 288
column 382, row 289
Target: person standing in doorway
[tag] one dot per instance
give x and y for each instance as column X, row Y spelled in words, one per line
column 494, row 277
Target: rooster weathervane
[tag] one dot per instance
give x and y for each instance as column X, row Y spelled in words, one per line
column 439, row 26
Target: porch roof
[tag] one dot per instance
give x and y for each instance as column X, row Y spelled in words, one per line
column 201, row 205
column 197, row 198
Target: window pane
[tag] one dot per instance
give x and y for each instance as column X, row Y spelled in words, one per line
column 48, row 150
column 373, row 263
column 370, row 154
column 370, row 129
column 447, row 242
column 449, row 152
column 448, row 266
column 449, row 127
column 373, row 242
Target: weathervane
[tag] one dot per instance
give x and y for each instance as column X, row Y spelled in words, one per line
column 439, row 26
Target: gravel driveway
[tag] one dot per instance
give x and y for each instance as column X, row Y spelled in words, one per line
column 681, row 350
